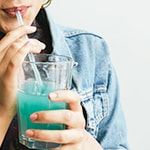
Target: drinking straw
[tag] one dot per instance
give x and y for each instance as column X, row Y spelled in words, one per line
column 30, row 55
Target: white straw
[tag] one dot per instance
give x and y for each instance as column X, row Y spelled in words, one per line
column 30, row 55
column 20, row 20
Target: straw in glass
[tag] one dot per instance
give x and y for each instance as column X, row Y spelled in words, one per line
column 30, row 55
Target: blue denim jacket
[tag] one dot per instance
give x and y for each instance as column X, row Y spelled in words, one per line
column 95, row 80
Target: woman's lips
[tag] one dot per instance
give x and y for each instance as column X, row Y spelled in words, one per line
column 11, row 12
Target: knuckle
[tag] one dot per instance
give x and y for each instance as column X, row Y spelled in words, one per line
column 12, row 64
column 12, row 35
column 8, row 34
column 15, row 46
column 83, row 122
column 62, row 137
column 37, row 134
column 68, row 115
column 81, row 134
column 45, row 117
column 76, row 96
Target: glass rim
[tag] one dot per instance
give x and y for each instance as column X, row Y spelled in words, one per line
column 61, row 59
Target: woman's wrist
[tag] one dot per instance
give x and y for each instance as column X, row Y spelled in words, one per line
column 91, row 143
column 7, row 111
column 5, row 120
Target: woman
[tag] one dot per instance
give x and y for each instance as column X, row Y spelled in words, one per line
column 95, row 119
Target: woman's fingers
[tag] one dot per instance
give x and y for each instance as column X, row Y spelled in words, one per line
column 73, row 117
column 68, row 96
column 12, row 36
column 63, row 136
column 11, row 70
column 9, row 40
column 37, row 46
column 67, row 117
column 16, row 53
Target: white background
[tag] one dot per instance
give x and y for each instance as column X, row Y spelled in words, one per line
column 125, row 25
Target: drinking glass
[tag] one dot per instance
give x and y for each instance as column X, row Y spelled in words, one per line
column 55, row 73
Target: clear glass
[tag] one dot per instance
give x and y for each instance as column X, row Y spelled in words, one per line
column 56, row 74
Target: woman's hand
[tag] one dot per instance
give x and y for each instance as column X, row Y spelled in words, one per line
column 13, row 49
column 74, row 137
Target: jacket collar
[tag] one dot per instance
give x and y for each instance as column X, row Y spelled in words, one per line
column 58, row 39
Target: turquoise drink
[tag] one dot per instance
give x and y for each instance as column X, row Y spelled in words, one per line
column 33, row 98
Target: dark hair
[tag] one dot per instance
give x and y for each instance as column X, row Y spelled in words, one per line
column 43, row 28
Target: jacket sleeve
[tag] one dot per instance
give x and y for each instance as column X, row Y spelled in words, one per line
column 112, row 129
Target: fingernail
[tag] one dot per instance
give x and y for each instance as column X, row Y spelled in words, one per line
column 53, row 96
column 29, row 133
column 32, row 28
column 34, row 117
column 43, row 46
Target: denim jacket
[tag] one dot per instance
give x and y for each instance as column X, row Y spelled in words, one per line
column 95, row 80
